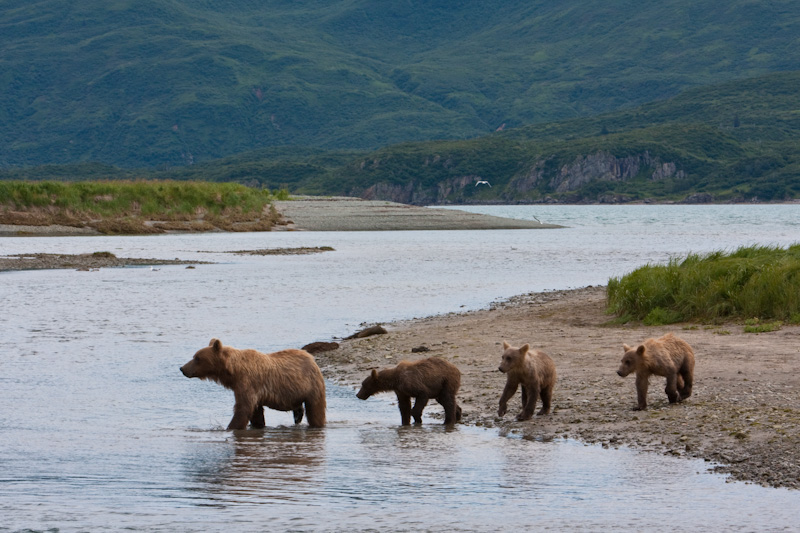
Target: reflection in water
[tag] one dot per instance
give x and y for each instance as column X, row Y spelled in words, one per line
column 282, row 463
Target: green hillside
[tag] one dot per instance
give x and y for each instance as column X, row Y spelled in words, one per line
column 730, row 142
column 170, row 83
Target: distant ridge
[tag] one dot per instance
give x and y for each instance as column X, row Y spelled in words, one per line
column 170, row 83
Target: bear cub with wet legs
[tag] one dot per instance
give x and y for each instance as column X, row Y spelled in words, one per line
column 668, row 356
column 534, row 371
column 284, row 381
column 431, row 378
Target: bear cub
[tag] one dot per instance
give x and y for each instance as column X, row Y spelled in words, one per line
column 534, row 371
column 284, row 381
column 426, row 379
column 667, row 356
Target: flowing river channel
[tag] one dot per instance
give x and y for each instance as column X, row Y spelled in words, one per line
column 100, row 431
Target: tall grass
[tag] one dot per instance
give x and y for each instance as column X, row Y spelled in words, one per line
column 148, row 198
column 127, row 206
column 752, row 282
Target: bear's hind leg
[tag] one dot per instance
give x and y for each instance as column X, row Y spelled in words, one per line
column 672, row 388
column 452, row 412
column 547, row 397
column 685, row 389
column 298, row 414
column 315, row 411
column 419, row 405
column 531, row 395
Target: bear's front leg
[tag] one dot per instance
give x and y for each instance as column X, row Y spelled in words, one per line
column 642, row 382
column 241, row 415
column 419, row 405
column 257, row 420
column 508, row 392
column 298, row 414
column 404, row 403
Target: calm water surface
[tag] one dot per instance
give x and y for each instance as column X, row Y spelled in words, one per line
column 99, row 430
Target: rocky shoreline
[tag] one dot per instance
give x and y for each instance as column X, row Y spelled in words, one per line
column 743, row 418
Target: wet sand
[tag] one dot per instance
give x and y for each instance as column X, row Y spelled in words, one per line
column 743, row 416
column 355, row 214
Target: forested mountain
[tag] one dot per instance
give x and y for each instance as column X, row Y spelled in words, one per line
column 167, row 83
column 736, row 141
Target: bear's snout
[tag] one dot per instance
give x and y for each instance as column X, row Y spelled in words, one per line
column 184, row 372
column 500, row 368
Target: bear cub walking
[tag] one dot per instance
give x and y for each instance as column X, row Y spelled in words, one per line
column 668, row 356
column 284, row 381
column 431, row 378
column 532, row 369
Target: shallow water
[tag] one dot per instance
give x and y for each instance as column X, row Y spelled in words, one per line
column 100, row 430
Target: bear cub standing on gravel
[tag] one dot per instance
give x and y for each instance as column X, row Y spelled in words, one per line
column 668, row 356
column 532, row 369
column 282, row 380
column 425, row 379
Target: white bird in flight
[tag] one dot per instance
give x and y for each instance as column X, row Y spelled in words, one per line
column 482, row 182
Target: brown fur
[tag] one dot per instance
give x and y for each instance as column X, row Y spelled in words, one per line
column 282, row 380
column 425, row 379
column 668, row 356
column 532, row 369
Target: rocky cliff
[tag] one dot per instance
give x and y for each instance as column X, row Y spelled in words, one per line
column 543, row 178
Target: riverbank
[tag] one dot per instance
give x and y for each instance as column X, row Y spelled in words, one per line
column 309, row 213
column 743, row 416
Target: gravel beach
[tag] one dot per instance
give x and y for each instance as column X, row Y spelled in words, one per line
column 743, row 417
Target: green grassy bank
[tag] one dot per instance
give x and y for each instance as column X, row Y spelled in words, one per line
column 138, row 206
column 753, row 282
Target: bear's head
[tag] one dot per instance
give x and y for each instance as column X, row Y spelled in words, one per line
column 208, row 363
column 512, row 356
column 630, row 360
column 369, row 386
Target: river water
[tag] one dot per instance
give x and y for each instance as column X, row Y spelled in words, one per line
column 100, row 431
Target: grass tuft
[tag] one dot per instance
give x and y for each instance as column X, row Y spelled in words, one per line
column 753, row 281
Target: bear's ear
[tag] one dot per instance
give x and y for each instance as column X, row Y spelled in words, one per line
column 524, row 349
column 640, row 350
column 506, row 346
column 626, row 348
column 216, row 344
column 374, row 373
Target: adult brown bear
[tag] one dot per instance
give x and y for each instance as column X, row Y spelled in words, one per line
column 284, row 381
